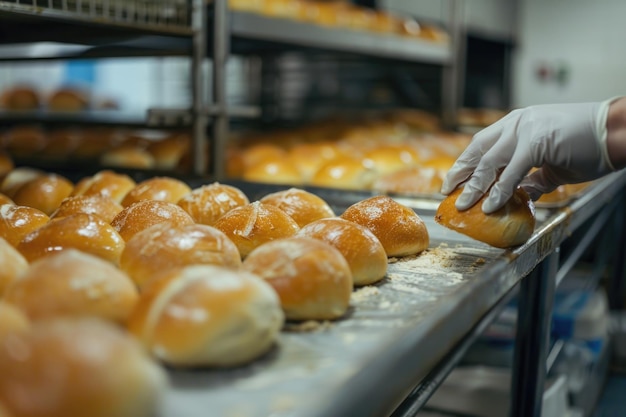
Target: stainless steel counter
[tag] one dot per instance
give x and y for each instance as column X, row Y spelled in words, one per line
column 395, row 333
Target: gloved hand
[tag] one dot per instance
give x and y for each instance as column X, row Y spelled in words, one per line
column 567, row 142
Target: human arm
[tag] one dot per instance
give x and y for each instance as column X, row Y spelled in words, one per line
column 568, row 143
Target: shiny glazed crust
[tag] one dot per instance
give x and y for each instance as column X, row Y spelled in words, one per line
column 302, row 206
column 157, row 188
column 209, row 202
column 143, row 214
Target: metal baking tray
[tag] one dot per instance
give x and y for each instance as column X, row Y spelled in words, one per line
column 396, row 331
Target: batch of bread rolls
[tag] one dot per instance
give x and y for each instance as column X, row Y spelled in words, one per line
column 69, row 98
column 106, row 281
column 343, row 14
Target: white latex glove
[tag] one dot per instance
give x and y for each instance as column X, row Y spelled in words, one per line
column 567, row 142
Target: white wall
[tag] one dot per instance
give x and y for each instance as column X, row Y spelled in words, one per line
column 585, row 38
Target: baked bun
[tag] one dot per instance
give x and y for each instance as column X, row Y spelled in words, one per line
column 45, row 192
column 16, row 178
column 25, row 140
column 363, row 251
column 145, row 213
column 128, row 156
column 68, row 99
column 258, row 152
column 13, row 265
column 96, row 141
column 96, row 204
column 309, row 157
column 509, row 226
column 21, row 97
column 208, row 203
column 252, row 225
column 165, row 246
column 273, row 171
column 157, row 188
column 78, row 367
column 414, row 180
column 18, row 221
column 6, row 165
column 84, row 232
column 169, row 152
column 311, row 277
column 107, row 183
column 400, row 230
column 391, row 158
column 12, row 320
column 302, row 206
column 345, row 172
column 73, row 283
column 206, row 315
column 61, row 143
column 5, row 200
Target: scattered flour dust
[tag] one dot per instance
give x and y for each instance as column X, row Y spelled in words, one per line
column 307, row 326
column 363, row 293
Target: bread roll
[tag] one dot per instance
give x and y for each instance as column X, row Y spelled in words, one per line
column 253, row 154
column 61, row 143
column 414, row 180
column 311, row 277
column 206, row 315
column 18, row 221
column 5, row 200
column 128, row 156
column 208, row 203
column 68, row 99
column 13, row 265
column 509, row 226
column 22, row 97
column 73, row 283
column 12, row 320
column 96, row 141
column 252, row 225
column 358, row 245
column 164, row 246
column 84, row 232
column 345, row 172
column 273, row 171
column 157, row 188
column 96, row 204
column 309, row 157
column 45, row 192
column 169, row 152
column 400, row 230
column 85, row 367
column 16, row 178
column 391, row 158
column 302, row 206
column 107, row 183
column 143, row 214
column 6, row 165
column 25, row 140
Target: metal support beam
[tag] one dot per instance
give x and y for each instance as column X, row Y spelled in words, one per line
column 452, row 77
column 536, row 299
column 221, row 35
column 199, row 117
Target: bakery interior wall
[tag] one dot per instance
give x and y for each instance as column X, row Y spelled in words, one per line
column 569, row 51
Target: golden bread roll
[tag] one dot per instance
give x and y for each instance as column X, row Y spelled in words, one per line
column 157, row 188
column 145, row 213
column 256, row 223
column 512, row 225
column 18, row 221
column 301, row 205
column 206, row 315
column 107, row 183
column 96, row 204
column 311, row 277
column 45, row 192
column 235, row 165
column 345, row 172
column 96, row 141
column 388, row 158
column 12, row 320
column 16, row 178
column 164, row 246
column 61, row 143
column 78, row 367
column 5, row 200
column 273, row 171
column 25, row 140
column 128, row 156
column 557, row 196
column 400, row 230
column 309, row 157
column 84, row 232
column 6, row 165
column 208, row 203
column 253, row 154
column 13, row 265
column 73, row 283
column 22, row 97
column 411, row 180
column 169, row 152
column 358, row 245
column 68, row 99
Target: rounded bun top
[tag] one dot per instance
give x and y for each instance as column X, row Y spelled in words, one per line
column 145, row 213
column 301, row 205
column 208, row 203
